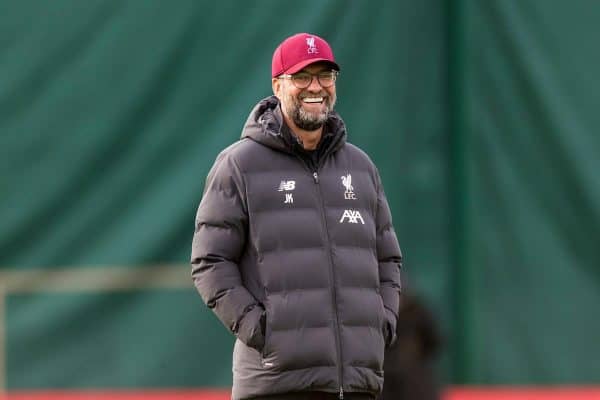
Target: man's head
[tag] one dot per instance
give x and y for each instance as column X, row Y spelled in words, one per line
column 303, row 78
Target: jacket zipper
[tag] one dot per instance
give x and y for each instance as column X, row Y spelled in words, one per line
column 333, row 290
column 338, row 341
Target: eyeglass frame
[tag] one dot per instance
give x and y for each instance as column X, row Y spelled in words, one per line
column 333, row 72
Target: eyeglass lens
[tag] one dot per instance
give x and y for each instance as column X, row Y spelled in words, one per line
column 304, row 79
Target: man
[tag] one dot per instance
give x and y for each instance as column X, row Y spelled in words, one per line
column 294, row 248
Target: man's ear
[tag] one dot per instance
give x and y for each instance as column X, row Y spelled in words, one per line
column 276, row 86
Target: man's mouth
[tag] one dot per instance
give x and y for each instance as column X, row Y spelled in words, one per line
column 312, row 100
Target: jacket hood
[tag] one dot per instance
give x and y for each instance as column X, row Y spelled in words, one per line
column 265, row 125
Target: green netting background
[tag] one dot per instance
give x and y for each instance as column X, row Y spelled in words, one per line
column 481, row 116
column 531, row 204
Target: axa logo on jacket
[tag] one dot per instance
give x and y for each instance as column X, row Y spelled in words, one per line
column 353, row 217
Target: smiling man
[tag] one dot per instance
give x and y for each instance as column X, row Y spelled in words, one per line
column 294, row 248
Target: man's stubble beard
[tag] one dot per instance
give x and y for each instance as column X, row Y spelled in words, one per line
column 303, row 119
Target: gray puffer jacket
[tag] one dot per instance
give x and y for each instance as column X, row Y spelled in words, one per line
column 299, row 261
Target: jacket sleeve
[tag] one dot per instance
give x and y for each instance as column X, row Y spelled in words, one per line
column 389, row 257
column 219, row 240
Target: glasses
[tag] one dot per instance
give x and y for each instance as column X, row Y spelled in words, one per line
column 302, row 80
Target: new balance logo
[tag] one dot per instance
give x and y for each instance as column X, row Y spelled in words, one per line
column 353, row 217
column 286, row 186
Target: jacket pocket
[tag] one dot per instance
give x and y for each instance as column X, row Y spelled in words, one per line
column 267, row 327
column 383, row 324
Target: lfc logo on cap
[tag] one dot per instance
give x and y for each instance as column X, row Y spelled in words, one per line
column 312, row 48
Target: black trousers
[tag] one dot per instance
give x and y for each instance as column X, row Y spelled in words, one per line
column 316, row 396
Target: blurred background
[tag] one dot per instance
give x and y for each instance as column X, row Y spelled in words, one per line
column 482, row 117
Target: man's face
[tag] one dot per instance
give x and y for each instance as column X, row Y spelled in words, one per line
column 308, row 108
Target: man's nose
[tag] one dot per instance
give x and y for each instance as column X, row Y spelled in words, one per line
column 314, row 86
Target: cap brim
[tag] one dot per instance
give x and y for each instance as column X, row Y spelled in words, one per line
column 304, row 63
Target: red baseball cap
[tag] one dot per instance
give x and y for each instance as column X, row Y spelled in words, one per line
column 298, row 51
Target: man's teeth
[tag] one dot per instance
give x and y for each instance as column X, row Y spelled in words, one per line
column 313, row 99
